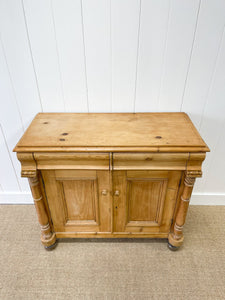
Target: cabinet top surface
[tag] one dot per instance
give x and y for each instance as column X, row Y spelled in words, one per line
column 110, row 131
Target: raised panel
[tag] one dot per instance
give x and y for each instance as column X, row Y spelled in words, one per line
column 81, row 200
column 145, row 200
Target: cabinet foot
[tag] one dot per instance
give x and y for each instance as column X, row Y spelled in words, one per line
column 48, row 241
column 51, row 247
column 171, row 247
column 174, row 240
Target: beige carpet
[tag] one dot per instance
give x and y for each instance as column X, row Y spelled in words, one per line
column 112, row 269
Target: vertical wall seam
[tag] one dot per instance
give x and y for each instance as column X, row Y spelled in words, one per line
column 164, row 53
column 12, row 85
column 206, row 101
column 110, row 63
column 212, row 78
column 137, row 56
column 7, row 147
column 31, row 54
column 85, row 59
column 58, row 60
column 191, row 53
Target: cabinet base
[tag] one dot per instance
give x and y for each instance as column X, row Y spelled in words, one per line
column 170, row 246
column 110, row 235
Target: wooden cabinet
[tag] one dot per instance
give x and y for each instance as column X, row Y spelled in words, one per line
column 111, row 175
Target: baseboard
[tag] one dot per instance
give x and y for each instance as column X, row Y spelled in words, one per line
column 207, row 199
column 16, row 198
column 196, row 199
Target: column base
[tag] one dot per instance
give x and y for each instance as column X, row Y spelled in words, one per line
column 172, row 242
column 49, row 242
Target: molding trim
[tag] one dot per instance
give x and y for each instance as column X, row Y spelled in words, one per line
column 196, row 199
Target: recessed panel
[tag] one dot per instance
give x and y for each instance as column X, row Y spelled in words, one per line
column 144, row 200
column 80, row 198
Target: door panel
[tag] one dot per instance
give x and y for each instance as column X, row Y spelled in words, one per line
column 144, row 200
column 79, row 201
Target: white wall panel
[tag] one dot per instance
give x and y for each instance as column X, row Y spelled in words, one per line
column 10, row 121
column 69, row 36
column 212, row 127
column 8, row 176
column 96, row 25
column 39, row 18
column 209, row 32
column 182, row 24
column 214, row 179
column 19, row 60
column 125, row 29
column 112, row 55
column 152, row 39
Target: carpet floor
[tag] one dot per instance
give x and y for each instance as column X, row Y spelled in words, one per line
column 112, row 269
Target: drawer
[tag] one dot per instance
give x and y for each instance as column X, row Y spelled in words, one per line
column 150, row 161
column 74, row 161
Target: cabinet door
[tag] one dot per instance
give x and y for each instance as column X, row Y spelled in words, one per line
column 79, row 201
column 144, row 201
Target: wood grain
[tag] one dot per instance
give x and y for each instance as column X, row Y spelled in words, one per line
column 117, row 194
column 150, row 161
column 48, row 237
column 49, row 161
column 102, row 130
column 77, row 201
column 140, row 198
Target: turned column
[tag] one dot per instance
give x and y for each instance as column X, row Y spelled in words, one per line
column 176, row 238
column 48, row 238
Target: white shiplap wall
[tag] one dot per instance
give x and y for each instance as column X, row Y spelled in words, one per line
column 112, row 56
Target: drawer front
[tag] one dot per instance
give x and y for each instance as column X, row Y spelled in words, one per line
column 150, row 161
column 75, row 161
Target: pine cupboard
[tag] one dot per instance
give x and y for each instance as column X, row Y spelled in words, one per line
column 111, row 174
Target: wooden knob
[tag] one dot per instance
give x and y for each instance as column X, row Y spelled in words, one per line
column 116, row 193
column 104, row 192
